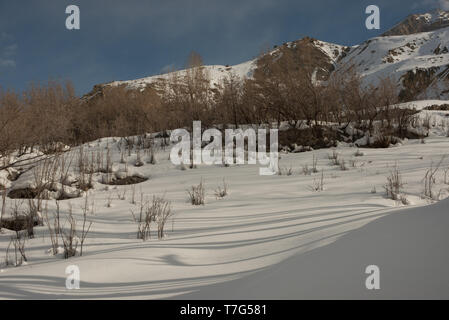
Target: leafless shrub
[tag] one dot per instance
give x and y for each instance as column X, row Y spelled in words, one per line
column 429, row 180
column 86, row 227
column 86, row 169
column 70, row 238
column 221, row 192
column 45, row 176
column 394, row 184
column 18, row 245
column 143, row 221
column 161, row 210
column 197, row 194
column 53, row 228
column 318, row 184
column 285, row 171
column 158, row 212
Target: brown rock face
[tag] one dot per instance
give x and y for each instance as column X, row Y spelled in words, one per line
column 420, row 23
column 307, row 55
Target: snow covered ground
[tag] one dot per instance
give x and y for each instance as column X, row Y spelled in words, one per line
column 271, row 237
column 409, row 246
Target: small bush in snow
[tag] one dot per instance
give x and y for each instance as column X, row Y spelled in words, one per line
column 158, row 212
column 318, row 185
column 394, row 184
column 71, row 238
column 221, row 192
column 285, row 171
column 17, row 244
column 197, row 194
column 430, row 180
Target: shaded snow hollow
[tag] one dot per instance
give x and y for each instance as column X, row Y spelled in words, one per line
column 409, row 246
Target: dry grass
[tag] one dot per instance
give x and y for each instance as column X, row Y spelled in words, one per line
column 197, row 194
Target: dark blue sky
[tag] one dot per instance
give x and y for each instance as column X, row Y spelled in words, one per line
column 121, row 40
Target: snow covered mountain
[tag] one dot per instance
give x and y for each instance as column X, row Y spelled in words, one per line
column 326, row 56
column 419, row 63
column 416, row 23
column 414, row 53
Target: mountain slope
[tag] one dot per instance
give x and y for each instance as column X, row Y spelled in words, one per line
column 420, row 23
column 417, row 61
column 325, row 56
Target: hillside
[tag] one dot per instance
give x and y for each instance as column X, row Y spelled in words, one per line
column 416, row 23
column 419, row 63
column 326, row 56
column 414, row 53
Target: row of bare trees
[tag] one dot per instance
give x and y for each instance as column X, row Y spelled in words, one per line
column 283, row 88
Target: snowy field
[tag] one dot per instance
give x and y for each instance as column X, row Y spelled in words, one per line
column 272, row 237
